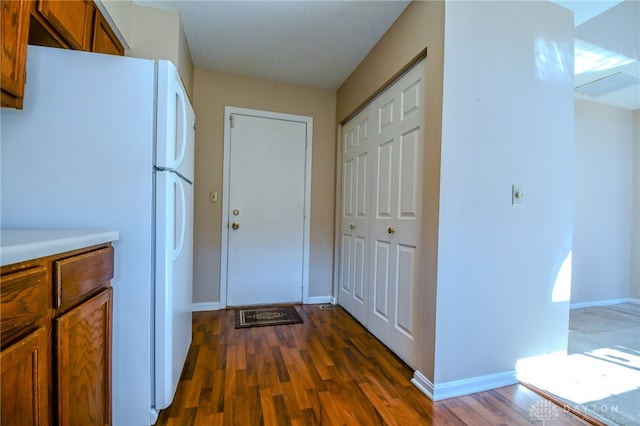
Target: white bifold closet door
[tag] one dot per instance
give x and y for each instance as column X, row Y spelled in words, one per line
column 356, row 207
column 381, row 213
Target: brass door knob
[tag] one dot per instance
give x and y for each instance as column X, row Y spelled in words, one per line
column 352, row 226
column 391, row 230
column 235, row 225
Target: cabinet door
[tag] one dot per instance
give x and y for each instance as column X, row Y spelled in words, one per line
column 104, row 39
column 83, row 343
column 72, row 19
column 13, row 54
column 25, row 378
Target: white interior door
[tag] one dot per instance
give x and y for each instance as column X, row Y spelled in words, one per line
column 354, row 227
column 266, row 207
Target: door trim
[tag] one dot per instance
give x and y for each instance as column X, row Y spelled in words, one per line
column 224, row 234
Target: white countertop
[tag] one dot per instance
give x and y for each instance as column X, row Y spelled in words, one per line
column 17, row 245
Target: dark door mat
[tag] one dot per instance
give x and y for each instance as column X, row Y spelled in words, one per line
column 328, row 307
column 275, row 315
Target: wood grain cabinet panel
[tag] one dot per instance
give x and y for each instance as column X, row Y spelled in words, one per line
column 72, row 19
column 75, row 24
column 13, row 53
column 83, row 342
column 56, row 363
column 104, row 39
column 24, row 301
column 79, row 275
column 25, row 381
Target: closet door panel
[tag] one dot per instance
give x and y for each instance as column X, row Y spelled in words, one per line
column 396, row 225
column 360, row 270
column 384, row 187
column 409, row 181
column 355, row 218
column 381, row 280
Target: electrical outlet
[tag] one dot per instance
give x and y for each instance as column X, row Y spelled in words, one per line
column 213, row 196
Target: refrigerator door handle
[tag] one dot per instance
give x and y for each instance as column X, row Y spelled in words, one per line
column 183, row 205
column 183, row 132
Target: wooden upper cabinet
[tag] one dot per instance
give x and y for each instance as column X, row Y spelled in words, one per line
column 72, row 19
column 74, row 24
column 104, row 39
column 13, row 56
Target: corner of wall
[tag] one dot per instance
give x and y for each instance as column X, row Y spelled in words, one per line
column 185, row 61
column 634, row 282
column 119, row 15
column 154, row 34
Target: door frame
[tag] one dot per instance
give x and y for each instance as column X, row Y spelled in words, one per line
column 226, row 163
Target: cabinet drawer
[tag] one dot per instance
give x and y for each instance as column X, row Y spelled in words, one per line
column 24, row 302
column 79, row 275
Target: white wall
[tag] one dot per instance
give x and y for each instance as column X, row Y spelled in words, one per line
column 634, row 282
column 507, row 119
column 602, row 202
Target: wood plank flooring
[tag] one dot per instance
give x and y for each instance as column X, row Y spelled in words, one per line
column 327, row 371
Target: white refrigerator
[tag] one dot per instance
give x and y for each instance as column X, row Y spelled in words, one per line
column 107, row 142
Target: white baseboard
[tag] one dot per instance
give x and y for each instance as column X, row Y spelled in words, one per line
column 317, row 300
column 462, row 387
column 209, row 306
column 604, row 303
column 215, row 306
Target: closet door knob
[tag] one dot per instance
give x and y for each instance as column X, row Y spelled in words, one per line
column 391, row 230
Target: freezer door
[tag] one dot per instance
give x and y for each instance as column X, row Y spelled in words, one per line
column 174, row 281
column 175, row 123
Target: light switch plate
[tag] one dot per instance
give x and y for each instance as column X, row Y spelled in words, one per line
column 517, row 195
column 213, row 197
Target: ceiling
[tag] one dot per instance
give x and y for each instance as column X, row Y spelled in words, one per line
column 611, row 30
column 319, row 43
column 309, row 43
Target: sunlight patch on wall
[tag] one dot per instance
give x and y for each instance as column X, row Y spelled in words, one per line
column 553, row 62
column 562, row 285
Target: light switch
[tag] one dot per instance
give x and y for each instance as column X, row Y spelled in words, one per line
column 517, row 195
column 213, row 197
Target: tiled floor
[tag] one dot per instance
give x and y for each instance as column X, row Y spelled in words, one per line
column 605, row 326
column 600, row 374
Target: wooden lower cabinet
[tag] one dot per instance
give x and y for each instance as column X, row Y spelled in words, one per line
column 25, row 381
column 55, row 354
column 83, row 367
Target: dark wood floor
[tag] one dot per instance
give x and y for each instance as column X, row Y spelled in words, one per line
column 327, row 371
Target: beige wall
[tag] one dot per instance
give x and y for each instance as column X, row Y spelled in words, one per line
column 420, row 26
column 214, row 91
column 153, row 34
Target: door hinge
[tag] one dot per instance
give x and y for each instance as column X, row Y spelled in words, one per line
column 231, row 121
